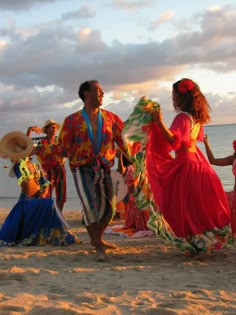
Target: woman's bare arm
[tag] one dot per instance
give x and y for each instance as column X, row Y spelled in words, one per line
column 225, row 161
column 158, row 118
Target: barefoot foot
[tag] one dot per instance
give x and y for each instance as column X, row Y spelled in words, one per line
column 106, row 245
column 101, row 257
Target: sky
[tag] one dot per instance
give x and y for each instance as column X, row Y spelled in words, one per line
column 132, row 47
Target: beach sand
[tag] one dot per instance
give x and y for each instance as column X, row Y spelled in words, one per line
column 143, row 276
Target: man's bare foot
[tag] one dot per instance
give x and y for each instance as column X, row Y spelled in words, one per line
column 101, row 257
column 106, row 245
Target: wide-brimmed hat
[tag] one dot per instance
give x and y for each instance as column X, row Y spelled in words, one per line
column 50, row 122
column 15, row 145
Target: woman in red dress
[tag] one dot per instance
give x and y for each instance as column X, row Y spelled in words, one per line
column 189, row 194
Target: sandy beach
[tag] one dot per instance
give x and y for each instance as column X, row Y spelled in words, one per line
column 143, row 276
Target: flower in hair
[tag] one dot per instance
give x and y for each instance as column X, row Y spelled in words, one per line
column 185, row 85
column 234, row 145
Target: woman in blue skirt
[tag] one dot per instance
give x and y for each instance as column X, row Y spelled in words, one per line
column 34, row 220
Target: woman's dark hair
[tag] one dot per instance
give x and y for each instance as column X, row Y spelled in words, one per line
column 187, row 97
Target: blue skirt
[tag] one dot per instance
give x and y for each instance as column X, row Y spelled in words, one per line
column 36, row 222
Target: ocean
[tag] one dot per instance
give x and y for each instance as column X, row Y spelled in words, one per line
column 220, row 138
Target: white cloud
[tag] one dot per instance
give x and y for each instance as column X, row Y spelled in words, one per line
column 131, row 5
column 215, row 7
column 162, row 19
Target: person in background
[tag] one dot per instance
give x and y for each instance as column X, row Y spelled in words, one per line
column 88, row 138
column 53, row 165
column 135, row 219
column 225, row 161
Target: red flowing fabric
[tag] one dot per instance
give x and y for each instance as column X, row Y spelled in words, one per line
column 187, row 190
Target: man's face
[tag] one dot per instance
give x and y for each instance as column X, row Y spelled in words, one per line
column 51, row 129
column 96, row 94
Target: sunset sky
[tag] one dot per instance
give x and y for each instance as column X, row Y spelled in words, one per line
column 133, row 47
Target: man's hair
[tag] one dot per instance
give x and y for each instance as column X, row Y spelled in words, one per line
column 85, row 86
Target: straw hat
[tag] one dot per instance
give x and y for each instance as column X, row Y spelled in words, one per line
column 15, row 145
column 50, row 122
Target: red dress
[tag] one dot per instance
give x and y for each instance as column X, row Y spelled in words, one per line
column 187, row 190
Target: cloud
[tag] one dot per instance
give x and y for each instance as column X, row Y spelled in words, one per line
column 162, row 19
column 90, row 41
column 20, row 5
column 221, row 107
column 131, row 5
column 83, row 13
